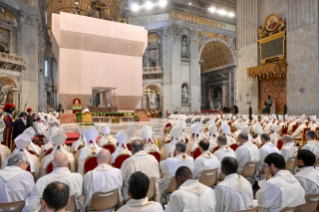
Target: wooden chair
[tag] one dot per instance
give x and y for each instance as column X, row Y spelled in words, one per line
column 152, row 189
column 317, row 162
column 290, row 164
column 221, row 177
column 234, row 146
column 120, row 159
column 311, row 203
column 48, row 151
column 12, row 206
column 104, row 200
column 72, row 205
column 284, row 130
column 316, row 138
column 279, row 144
column 208, row 177
column 129, row 146
column 196, row 153
column 288, row 209
column 214, row 149
column 294, row 127
column 254, row 209
column 90, row 163
column 171, row 188
column 110, row 146
column 157, row 155
column 249, row 170
column 303, row 139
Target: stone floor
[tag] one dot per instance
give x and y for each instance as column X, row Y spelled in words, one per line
column 157, row 124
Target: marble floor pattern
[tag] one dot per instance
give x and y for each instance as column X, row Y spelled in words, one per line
column 158, row 125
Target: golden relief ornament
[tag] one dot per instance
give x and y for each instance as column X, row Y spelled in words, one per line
column 273, row 24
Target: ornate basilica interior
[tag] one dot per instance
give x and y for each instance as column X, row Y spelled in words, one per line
column 197, row 57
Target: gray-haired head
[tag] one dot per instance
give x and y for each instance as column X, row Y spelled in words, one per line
column 15, row 159
column 137, row 145
column 181, row 147
column 60, row 160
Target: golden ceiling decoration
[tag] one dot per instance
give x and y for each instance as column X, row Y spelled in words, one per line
column 216, row 54
column 68, row 6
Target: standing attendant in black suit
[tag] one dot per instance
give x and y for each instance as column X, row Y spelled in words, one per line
column 19, row 125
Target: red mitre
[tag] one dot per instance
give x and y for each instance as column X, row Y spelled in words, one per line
column 75, row 100
column 7, row 106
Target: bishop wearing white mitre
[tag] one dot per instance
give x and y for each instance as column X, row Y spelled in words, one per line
column 58, row 139
column 49, row 145
column 193, row 143
column 140, row 161
column 80, row 142
column 61, row 173
column 107, row 137
column 90, row 148
column 213, row 134
column 103, row 178
column 22, row 142
column 168, row 149
column 147, row 134
column 16, row 183
column 246, row 152
column 170, row 165
column 122, row 140
column 35, row 148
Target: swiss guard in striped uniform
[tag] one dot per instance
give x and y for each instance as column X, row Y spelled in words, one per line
column 9, row 121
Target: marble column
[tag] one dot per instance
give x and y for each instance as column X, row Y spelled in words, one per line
column 194, row 72
column 171, row 65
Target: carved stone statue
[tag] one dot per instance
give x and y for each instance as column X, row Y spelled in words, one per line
column 185, row 51
column 185, row 94
column 203, row 39
column 267, row 105
column 4, row 94
column 152, row 97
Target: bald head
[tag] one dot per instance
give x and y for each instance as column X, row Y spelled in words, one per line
column 229, row 165
column 60, row 160
column 104, row 156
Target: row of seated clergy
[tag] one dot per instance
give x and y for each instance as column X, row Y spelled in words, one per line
column 224, row 191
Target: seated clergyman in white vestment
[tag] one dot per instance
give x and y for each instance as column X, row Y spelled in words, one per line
column 289, row 148
column 103, row 178
column 55, row 197
column 80, row 142
column 58, row 139
column 170, row 165
column 206, row 161
column 312, row 144
column 246, row 152
column 15, row 182
column 267, row 148
column 234, row 192
column 223, row 150
column 280, row 189
column 138, row 188
column 191, row 196
column 90, row 148
column 308, row 176
column 139, row 161
column 61, row 173
column 4, row 153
